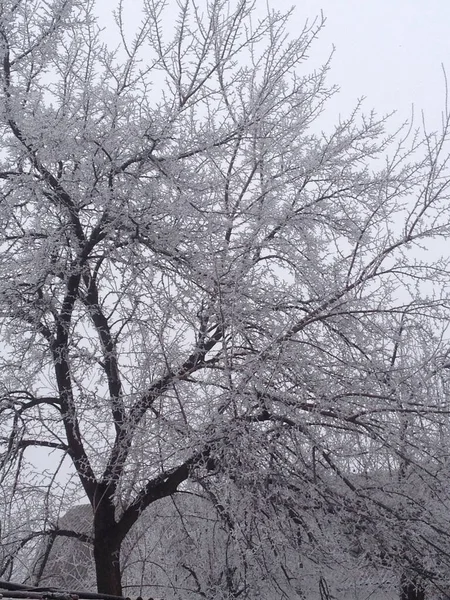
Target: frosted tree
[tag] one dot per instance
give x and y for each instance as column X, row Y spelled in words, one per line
column 202, row 285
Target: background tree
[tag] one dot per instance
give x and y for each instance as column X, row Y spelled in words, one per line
column 199, row 287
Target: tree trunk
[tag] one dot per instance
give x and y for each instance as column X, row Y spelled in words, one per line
column 107, row 568
column 107, row 542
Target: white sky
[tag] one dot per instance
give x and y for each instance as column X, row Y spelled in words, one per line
column 389, row 51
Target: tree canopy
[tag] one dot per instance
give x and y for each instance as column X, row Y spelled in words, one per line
column 204, row 291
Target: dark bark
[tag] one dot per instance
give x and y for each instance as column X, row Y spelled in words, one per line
column 107, row 565
column 107, row 542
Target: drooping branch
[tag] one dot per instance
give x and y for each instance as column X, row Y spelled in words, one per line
column 162, row 486
column 27, row 443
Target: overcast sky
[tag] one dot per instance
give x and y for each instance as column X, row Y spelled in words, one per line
column 389, row 51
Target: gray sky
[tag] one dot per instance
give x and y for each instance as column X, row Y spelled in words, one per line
column 389, row 51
